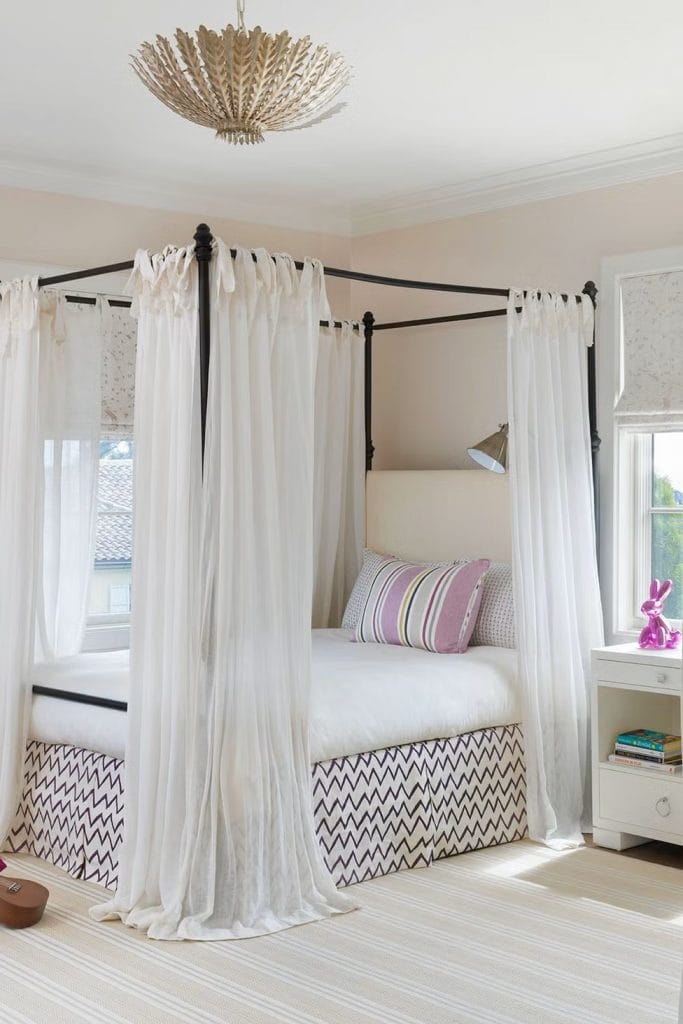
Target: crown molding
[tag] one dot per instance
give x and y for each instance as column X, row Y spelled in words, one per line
column 651, row 159
column 601, row 169
column 204, row 203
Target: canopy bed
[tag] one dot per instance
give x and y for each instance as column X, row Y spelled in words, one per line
column 435, row 770
column 408, row 764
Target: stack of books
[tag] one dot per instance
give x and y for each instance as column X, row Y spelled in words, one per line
column 646, row 748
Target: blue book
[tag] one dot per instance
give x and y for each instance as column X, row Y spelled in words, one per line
column 650, row 739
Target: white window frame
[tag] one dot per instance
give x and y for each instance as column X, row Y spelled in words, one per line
column 125, row 587
column 633, row 534
column 109, row 632
column 620, row 576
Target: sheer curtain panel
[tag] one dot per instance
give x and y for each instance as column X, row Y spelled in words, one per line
column 339, row 478
column 220, row 841
column 557, row 596
column 71, row 406
column 20, row 522
column 164, row 655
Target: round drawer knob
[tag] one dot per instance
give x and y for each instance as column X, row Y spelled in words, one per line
column 661, row 677
column 663, row 807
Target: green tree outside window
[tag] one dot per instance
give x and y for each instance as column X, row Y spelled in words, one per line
column 667, row 542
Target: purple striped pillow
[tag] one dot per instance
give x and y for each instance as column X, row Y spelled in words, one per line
column 431, row 607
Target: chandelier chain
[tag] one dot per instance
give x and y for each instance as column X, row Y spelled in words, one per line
column 240, row 15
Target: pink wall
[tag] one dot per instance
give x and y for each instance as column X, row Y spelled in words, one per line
column 55, row 230
column 440, row 389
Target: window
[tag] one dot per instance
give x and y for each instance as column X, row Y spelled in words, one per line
column 640, row 391
column 109, row 600
column 119, row 598
column 666, row 516
column 649, row 522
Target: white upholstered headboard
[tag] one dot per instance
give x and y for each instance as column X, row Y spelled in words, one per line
column 435, row 515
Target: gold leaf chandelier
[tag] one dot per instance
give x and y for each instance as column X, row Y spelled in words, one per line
column 242, row 82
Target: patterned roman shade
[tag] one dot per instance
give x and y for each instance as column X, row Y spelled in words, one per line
column 652, row 351
column 118, row 372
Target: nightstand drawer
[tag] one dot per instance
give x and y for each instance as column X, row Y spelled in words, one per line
column 638, row 674
column 637, row 801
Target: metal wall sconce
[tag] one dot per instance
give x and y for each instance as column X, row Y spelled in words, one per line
column 492, row 452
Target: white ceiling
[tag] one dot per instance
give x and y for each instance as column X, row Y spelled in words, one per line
column 454, row 106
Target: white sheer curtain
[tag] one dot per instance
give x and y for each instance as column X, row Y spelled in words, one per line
column 339, row 479
column 71, row 407
column 165, row 615
column 49, row 430
column 557, row 596
column 20, row 485
column 220, row 841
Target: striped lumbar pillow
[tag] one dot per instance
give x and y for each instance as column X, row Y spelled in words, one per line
column 431, row 607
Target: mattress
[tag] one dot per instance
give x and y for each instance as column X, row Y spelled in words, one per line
column 364, row 696
column 103, row 730
column 372, row 696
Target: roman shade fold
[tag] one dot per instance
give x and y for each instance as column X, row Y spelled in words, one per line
column 118, row 371
column 651, row 364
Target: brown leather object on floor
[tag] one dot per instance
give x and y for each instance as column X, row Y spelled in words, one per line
column 21, row 902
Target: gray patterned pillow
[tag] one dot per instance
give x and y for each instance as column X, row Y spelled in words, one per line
column 361, row 588
column 496, row 620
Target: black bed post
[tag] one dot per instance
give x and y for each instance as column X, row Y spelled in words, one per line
column 203, row 251
column 369, row 326
column 590, row 289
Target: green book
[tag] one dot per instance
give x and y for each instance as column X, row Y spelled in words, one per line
column 650, row 739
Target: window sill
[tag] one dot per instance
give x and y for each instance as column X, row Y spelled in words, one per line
column 106, row 637
column 626, row 636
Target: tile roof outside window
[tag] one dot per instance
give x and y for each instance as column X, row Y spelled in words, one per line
column 114, row 532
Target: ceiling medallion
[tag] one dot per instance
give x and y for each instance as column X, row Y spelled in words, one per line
column 243, row 82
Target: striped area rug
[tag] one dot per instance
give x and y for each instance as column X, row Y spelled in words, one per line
column 509, row 935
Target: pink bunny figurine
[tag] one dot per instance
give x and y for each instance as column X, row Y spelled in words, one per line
column 658, row 634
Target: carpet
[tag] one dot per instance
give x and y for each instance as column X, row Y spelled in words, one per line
column 513, row 934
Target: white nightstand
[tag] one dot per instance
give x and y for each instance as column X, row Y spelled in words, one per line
column 634, row 689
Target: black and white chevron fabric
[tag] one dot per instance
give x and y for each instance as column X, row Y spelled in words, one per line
column 71, row 811
column 405, row 807
column 375, row 813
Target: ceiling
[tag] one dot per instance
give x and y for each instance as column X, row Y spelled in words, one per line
column 453, row 107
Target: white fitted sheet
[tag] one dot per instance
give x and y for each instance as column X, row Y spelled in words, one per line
column 364, row 696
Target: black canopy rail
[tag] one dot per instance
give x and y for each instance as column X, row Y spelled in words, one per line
column 80, row 698
column 203, row 239
column 589, row 289
column 347, row 275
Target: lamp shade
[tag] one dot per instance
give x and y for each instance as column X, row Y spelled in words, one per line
column 492, row 452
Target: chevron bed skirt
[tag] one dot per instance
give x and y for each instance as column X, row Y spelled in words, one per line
column 401, row 807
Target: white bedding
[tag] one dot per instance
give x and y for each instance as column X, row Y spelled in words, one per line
column 364, row 696
column 81, row 725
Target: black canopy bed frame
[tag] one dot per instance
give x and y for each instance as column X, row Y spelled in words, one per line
column 203, row 239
